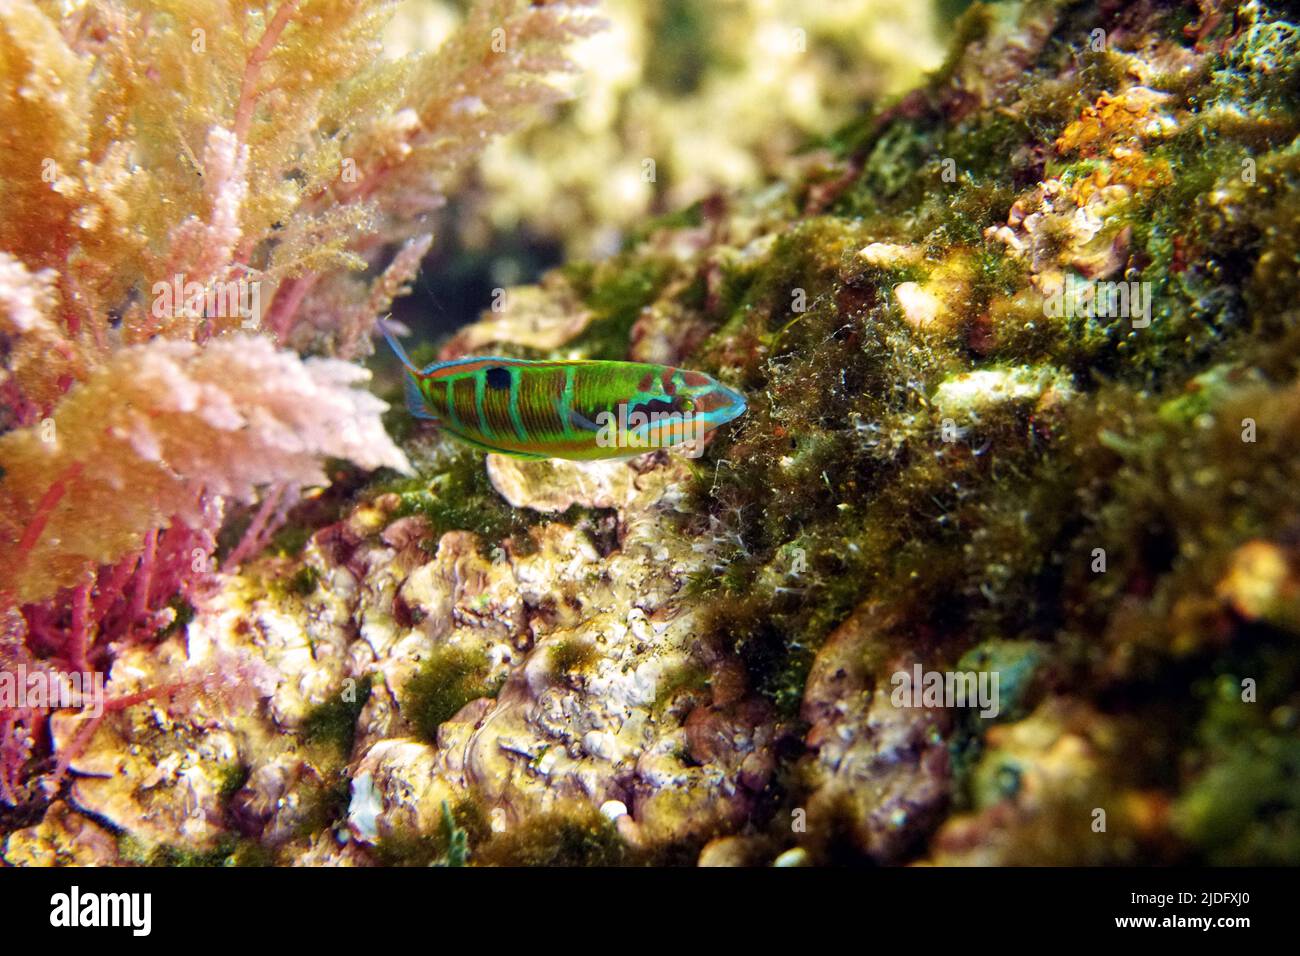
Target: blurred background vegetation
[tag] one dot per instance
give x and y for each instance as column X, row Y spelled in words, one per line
column 718, row 94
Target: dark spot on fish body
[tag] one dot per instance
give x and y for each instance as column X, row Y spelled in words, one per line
column 498, row 377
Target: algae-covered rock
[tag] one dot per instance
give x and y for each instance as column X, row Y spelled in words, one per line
column 62, row 838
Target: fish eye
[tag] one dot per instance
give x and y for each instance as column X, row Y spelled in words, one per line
column 688, row 405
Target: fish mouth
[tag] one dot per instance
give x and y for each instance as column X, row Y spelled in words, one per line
column 730, row 405
column 738, row 404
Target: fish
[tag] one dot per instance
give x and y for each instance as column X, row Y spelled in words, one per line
column 578, row 409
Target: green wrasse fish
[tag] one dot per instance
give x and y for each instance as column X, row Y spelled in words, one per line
column 581, row 410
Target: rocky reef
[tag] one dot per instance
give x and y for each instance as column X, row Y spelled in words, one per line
column 1022, row 355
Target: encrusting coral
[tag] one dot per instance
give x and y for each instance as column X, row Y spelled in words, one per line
column 949, row 463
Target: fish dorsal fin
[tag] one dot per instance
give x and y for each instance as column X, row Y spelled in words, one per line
column 432, row 367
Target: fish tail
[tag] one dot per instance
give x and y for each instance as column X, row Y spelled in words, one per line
column 415, row 403
column 396, row 346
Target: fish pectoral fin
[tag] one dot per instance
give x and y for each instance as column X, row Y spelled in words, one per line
column 576, row 418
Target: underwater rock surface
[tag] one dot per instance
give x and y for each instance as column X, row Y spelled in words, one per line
column 955, row 461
